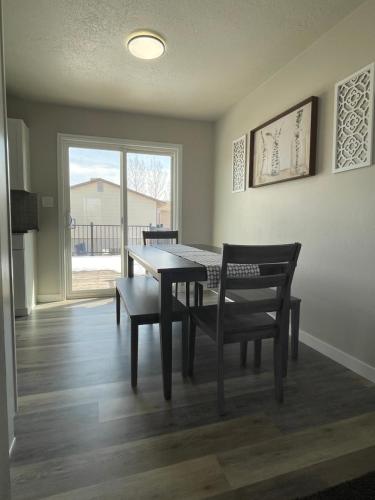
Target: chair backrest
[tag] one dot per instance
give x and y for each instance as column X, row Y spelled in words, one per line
column 276, row 265
column 148, row 236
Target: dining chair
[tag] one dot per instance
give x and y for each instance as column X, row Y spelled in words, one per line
column 240, row 322
column 172, row 236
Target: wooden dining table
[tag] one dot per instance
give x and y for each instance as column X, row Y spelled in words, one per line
column 167, row 268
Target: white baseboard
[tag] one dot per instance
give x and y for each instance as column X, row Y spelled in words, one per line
column 345, row 359
column 11, row 448
column 43, row 299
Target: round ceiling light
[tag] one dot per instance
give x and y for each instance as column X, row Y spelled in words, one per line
column 146, row 45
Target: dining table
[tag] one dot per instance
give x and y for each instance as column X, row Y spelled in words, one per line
column 168, row 268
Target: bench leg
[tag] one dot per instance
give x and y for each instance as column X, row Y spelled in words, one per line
column 134, row 353
column 257, row 353
column 200, row 294
column 118, row 307
column 192, row 334
column 185, row 345
column 243, row 353
column 295, row 312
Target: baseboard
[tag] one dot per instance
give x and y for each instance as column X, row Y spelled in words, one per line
column 345, row 359
column 22, row 311
column 12, row 445
column 43, row 299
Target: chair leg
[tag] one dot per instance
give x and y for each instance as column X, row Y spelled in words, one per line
column 295, row 312
column 134, row 353
column 278, row 368
column 185, row 345
column 257, row 353
column 285, row 347
column 220, row 379
column 118, row 307
column 187, row 294
column 192, row 335
column 176, row 290
column 243, row 353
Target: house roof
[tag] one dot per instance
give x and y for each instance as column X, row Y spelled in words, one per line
column 100, row 179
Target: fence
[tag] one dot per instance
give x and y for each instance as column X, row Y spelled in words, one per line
column 102, row 239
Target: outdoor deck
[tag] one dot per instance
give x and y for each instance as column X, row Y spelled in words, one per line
column 97, row 272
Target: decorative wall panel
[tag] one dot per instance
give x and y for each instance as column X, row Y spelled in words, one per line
column 239, row 164
column 354, row 110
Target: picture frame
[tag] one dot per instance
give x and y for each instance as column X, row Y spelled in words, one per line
column 239, row 162
column 284, row 148
column 353, row 121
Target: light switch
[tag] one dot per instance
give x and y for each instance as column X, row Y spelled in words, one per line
column 47, row 201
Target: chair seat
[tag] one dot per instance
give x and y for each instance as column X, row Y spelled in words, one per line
column 236, row 325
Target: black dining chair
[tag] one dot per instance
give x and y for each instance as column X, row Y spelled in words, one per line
column 240, row 322
column 172, row 236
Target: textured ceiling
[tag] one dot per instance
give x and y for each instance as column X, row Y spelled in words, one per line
column 72, row 51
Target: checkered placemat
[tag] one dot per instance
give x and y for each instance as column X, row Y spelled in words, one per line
column 212, row 263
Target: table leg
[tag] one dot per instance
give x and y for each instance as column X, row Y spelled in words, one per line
column 165, row 304
column 130, row 266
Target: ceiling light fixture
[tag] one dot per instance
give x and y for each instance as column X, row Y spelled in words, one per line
column 146, row 45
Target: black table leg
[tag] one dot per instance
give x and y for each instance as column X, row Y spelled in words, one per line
column 165, row 304
column 130, row 266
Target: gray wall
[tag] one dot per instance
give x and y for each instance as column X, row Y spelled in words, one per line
column 333, row 216
column 46, row 120
column 7, row 381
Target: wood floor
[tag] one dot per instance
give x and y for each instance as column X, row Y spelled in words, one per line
column 83, row 434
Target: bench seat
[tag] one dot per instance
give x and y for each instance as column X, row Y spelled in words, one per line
column 140, row 296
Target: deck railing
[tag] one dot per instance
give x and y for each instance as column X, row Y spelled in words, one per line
column 103, row 239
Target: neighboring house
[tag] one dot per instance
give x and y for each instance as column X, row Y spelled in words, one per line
column 99, row 201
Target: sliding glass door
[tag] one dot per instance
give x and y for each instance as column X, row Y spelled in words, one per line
column 111, row 191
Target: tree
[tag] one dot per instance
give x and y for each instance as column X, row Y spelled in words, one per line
column 136, row 174
column 157, row 180
column 151, row 178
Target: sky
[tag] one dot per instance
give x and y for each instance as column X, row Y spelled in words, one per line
column 87, row 163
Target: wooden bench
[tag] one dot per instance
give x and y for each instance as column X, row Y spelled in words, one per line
column 140, row 296
column 295, row 304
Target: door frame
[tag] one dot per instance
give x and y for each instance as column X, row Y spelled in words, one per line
column 64, row 141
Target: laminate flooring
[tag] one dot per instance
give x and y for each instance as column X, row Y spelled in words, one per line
column 82, row 433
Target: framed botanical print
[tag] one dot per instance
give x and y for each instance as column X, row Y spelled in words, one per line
column 284, row 148
column 239, row 164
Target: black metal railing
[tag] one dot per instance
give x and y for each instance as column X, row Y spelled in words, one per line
column 103, row 239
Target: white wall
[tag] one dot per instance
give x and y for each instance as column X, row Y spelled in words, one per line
column 7, row 381
column 333, row 216
column 46, row 120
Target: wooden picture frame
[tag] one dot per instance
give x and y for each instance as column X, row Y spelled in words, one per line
column 284, row 148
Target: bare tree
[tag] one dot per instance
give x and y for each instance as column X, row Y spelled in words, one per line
column 137, row 174
column 157, row 180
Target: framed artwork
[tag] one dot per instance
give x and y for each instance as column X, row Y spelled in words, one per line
column 239, row 164
column 353, row 121
column 284, row 148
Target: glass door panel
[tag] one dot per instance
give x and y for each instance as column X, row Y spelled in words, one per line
column 149, row 195
column 94, row 230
